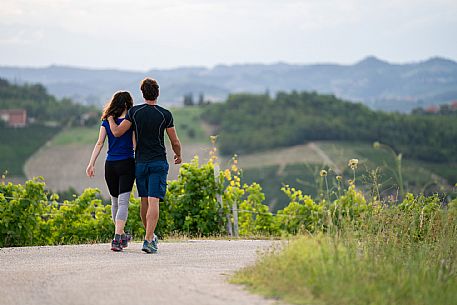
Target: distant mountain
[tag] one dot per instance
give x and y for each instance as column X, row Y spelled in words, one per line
column 377, row 83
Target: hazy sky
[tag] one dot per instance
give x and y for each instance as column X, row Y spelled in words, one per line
column 144, row 34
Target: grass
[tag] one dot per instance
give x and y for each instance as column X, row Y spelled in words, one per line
column 188, row 125
column 18, row 144
column 78, row 135
column 379, row 263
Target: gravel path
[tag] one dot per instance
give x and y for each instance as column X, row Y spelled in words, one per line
column 184, row 273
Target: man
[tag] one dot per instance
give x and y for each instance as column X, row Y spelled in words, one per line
column 150, row 121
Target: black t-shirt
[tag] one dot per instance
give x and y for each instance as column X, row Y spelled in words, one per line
column 149, row 123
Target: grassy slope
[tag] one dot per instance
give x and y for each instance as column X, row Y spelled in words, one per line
column 18, row 144
column 189, row 125
column 80, row 135
column 378, row 264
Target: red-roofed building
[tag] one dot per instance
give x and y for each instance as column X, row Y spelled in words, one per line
column 14, row 117
column 432, row 109
column 454, row 105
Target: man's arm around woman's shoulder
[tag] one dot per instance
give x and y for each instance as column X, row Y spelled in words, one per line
column 118, row 130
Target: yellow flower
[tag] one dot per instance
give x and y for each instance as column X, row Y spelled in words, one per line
column 323, row 173
column 353, row 163
column 339, row 178
column 232, row 183
column 376, row 145
column 213, row 139
column 227, row 174
column 234, row 168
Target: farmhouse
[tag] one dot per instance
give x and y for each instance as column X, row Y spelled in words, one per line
column 14, row 117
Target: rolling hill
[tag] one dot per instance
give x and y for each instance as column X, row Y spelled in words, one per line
column 377, row 83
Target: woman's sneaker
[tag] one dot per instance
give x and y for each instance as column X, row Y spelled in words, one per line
column 116, row 245
column 125, row 240
column 151, row 247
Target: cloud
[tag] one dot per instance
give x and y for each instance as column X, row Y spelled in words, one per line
column 207, row 32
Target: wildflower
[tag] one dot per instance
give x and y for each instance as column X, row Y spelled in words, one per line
column 234, row 168
column 376, row 145
column 227, row 174
column 213, row 139
column 353, row 163
column 323, row 173
column 339, row 178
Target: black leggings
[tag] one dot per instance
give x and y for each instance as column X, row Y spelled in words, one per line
column 119, row 176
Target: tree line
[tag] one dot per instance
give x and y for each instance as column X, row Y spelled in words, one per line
column 249, row 123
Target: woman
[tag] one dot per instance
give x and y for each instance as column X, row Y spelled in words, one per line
column 119, row 164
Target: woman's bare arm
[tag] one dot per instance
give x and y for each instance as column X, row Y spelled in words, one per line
column 90, row 170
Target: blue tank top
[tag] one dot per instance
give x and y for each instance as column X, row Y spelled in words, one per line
column 119, row 148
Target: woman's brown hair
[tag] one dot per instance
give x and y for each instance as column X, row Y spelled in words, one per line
column 120, row 101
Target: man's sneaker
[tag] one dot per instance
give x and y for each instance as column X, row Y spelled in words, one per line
column 116, row 245
column 156, row 240
column 151, row 247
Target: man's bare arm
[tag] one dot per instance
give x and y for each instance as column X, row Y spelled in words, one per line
column 175, row 144
column 118, row 130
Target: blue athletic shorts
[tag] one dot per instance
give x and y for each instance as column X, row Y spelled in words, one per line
column 151, row 178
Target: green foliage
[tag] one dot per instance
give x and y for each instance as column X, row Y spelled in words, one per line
column 254, row 216
column 31, row 216
column 197, row 204
column 302, row 213
column 85, row 219
column 21, row 210
column 247, row 123
column 191, row 201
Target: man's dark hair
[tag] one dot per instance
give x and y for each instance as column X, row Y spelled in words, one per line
column 150, row 89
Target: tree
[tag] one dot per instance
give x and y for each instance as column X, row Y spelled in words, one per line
column 188, row 99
